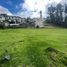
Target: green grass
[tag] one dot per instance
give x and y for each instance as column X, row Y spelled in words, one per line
column 26, row 46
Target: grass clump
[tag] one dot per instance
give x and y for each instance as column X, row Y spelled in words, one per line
column 56, row 58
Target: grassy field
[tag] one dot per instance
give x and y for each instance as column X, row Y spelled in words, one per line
column 27, row 46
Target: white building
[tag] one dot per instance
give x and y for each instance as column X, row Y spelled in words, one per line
column 39, row 21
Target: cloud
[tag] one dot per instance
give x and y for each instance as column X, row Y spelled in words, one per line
column 33, row 7
column 4, row 10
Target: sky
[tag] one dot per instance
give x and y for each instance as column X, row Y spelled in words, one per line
column 25, row 8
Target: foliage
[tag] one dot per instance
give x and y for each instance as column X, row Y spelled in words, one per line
column 56, row 15
column 30, row 22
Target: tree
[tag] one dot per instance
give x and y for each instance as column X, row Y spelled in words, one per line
column 30, row 22
column 65, row 13
column 55, row 14
column 51, row 12
column 59, row 16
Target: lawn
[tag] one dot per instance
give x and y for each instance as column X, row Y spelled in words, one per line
column 27, row 46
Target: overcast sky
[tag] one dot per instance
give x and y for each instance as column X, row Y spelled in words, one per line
column 25, row 8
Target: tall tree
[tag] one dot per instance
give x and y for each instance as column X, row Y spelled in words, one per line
column 59, row 15
column 65, row 13
column 51, row 12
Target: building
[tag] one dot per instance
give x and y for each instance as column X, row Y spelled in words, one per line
column 11, row 20
column 17, row 21
column 39, row 22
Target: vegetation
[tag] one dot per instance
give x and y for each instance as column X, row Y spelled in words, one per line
column 57, row 15
column 33, row 47
column 30, row 22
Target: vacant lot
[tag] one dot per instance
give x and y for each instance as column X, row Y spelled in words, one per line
column 26, row 47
